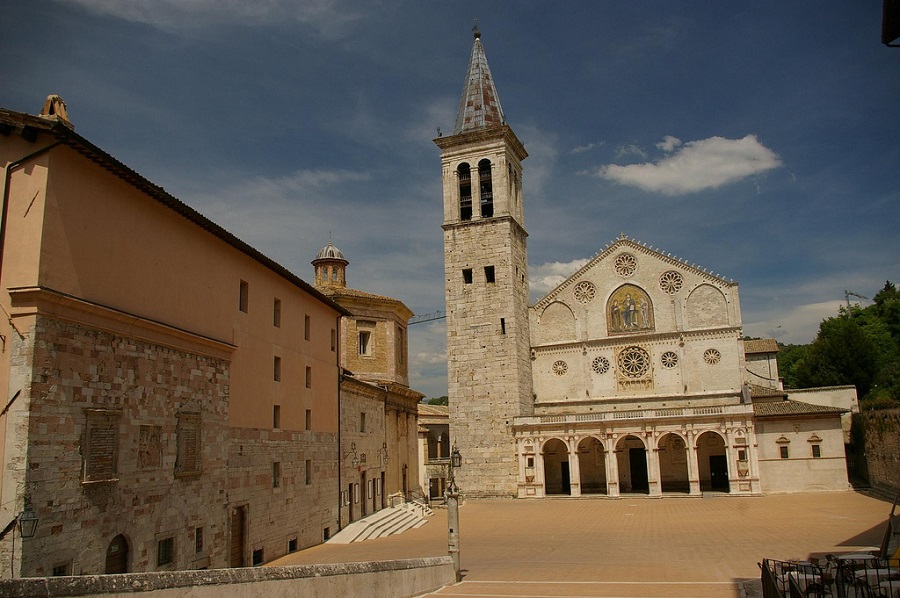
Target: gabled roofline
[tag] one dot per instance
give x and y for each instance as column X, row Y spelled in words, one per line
column 634, row 244
column 28, row 126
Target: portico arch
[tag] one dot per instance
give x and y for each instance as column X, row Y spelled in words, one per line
column 712, row 459
column 557, row 480
column 631, row 456
column 673, row 463
column 592, row 466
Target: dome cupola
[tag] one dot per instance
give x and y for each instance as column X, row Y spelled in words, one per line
column 331, row 267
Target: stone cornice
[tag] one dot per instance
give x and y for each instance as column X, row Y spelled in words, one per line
column 29, row 301
column 502, row 134
column 484, row 221
column 653, row 338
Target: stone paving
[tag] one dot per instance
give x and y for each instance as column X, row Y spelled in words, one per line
column 633, row 546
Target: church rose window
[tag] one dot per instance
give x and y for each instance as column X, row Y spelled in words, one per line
column 560, row 368
column 671, row 282
column 584, row 291
column 669, row 359
column 712, row 356
column 634, row 362
column 625, row 264
column 600, row 365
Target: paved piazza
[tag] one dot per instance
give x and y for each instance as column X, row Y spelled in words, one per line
column 627, row 547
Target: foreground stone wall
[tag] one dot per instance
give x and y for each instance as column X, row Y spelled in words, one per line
column 882, row 442
column 411, row 577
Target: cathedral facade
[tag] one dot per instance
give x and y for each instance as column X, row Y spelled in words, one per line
column 630, row 377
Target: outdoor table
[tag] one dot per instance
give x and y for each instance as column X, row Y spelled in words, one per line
column 856, row 556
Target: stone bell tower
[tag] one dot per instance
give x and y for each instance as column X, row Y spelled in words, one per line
column 486, row 274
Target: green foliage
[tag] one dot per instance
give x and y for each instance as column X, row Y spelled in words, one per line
column 860, row 346
column 438, row 401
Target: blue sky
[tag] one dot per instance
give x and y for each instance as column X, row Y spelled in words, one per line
column 760, row 141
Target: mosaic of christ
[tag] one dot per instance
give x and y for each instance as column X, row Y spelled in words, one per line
column 629, row 310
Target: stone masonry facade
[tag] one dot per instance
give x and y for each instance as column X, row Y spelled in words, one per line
column 102, row 414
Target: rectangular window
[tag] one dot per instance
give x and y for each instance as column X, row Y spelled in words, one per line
column 165, row 552
column 276, row 313
column 244, row 301
column 100, row 445
column 783, row 451
column 276, row 474
column 292, row 545
column 308, row 466
column 742, row 454
column 377, row 486
column 467, row 276
column 309, row 419
column 276, row 416
column 369, row 492
column 276, row 369
column 187, row 460
column 816, row 451
column 489, row 275
column 308, row 377
column 198, row 540
column 345, row 498
column 502, row 325
column 62, row 570
column 365, row 347
column 356, row 492
column 362, row 421
column 401, row 346
column 306, row 326
column 333, row 339
column 258, row 557
column 529, row 462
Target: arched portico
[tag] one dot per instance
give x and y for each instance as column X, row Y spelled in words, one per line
column 557, row 476
column 672, row 455
column 631, row 458
column 592, row 466
column 712, row 461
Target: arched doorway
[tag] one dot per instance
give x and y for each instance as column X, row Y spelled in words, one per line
column 556, row 467
column 631, row 455
column 713, row 462
column 673, row 466
column 592, row 466
column 117, row 555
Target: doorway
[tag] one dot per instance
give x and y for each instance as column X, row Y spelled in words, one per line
column 238, row 521
column 117, row 555
column 637, row 460
column 718, row 472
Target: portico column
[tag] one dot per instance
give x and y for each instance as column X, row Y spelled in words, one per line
column 574, row 468
column 653, row 474
column 612, row 468
column 539, row 470
column 693, row 465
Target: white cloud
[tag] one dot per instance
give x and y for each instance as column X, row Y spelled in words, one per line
column 587, row 147
column 668, row 143
column 328, row 17
column 543, row 278
column 796, row 325
column 697, row 165
column 623, row 151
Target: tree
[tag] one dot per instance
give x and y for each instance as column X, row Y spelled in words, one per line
column 841, row 354
column 438, row 401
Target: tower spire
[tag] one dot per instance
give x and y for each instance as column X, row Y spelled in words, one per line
column 479, row 107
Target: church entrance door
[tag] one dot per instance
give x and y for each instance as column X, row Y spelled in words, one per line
column 718, row 472
column 117, row 555
column 637, row 459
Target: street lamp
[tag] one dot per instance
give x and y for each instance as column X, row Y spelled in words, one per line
column 453, row 513
column 28, row 521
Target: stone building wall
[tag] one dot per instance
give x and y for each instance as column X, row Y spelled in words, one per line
column 882, row 442
column 288, row 506
column 100, row 457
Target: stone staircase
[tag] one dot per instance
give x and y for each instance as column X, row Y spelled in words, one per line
column 386, row 522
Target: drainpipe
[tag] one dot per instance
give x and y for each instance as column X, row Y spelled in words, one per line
column 340, row 455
